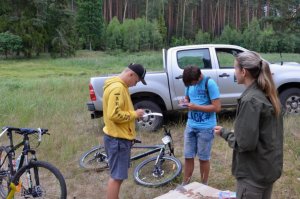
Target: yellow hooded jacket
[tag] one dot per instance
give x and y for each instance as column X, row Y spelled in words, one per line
column 118, row 111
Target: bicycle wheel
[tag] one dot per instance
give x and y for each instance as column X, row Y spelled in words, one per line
column 95, row 158
column 4, row 173
column 40, row 180
column 149, row 174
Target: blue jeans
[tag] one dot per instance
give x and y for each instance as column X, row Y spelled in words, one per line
column 198, row 141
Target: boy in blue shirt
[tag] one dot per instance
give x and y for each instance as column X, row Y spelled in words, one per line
column 202, row 99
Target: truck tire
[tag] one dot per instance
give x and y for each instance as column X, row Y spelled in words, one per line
column 290, row 100
column 149, row 123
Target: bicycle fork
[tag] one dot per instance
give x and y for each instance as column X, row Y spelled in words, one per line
column 27, row 182
column 158, row 171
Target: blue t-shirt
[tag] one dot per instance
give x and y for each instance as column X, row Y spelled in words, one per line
column 199, row 95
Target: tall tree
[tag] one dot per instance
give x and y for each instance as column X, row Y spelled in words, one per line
column 60, row 24
column 90, row 21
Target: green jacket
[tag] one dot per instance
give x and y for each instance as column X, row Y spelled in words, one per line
column 257, row 140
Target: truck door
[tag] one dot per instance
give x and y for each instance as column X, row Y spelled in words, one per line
column 197, row 57
column 226, row 79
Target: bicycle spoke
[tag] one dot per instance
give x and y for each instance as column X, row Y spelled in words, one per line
column 47, row 185
column 94, row 159
column 150, row 174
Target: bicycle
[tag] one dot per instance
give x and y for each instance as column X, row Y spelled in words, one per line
column 28, row 177
column 153, row 172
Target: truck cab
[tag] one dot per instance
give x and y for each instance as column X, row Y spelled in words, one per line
column 165, row 88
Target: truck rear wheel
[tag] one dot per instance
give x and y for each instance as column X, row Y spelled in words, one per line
column 290, row 100
column 152, row 122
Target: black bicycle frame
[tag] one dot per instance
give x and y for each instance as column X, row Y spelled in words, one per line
column 12, row 149
column 155, row 148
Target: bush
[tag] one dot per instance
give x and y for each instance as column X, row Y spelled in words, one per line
column 155, row 36
column 113, row 35
column 10, row 43
column 144, row 34
column 202, row 37
column 179, row 41
column 268, row 40
column 252, row 38
column 131, row 35
column 229, row 36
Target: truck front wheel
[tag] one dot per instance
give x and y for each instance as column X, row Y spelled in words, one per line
column 151, row 122
column 290, row 100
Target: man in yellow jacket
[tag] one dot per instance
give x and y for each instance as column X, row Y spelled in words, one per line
column 119, row 119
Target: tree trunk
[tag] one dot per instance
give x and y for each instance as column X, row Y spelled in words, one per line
column 170, row 19
column 229, row 11
column 177, row 19
column 248, row 14
column 202, row 18
column 183, row 18
column 146, row 14
column 125, row 8
column 110, row 9
column 104, row 10
column 259, row 9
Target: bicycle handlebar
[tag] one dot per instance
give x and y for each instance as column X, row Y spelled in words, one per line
column 24, row 131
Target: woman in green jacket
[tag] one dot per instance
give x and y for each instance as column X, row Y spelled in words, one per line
column 257, row 139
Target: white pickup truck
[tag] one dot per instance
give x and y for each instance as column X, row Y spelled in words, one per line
column 164, row 89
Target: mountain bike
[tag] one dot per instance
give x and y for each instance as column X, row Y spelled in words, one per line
column 152, row 172
column 28, row 177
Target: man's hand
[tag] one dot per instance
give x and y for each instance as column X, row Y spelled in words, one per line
column 140, row 112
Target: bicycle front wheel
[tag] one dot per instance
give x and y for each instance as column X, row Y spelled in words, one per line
column 148, row 173
column 40, row 179
column 95, row 158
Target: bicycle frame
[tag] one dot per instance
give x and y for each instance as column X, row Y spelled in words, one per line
column 11, row 156
column 155, row 148
column 24, row 154
column 159, row 169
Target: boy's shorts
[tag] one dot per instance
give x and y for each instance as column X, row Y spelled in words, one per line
column 118, row 153
column 198, row 141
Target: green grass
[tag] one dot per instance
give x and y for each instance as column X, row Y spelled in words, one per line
column 52, row 93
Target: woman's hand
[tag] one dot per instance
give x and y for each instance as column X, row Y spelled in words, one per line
column 218, row 130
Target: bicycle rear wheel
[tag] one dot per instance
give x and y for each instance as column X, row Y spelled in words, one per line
column 4, row 173
column 40, row 180
column 149, row 174
column 95, row 158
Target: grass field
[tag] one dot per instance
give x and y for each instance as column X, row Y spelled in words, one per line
column 51, row 93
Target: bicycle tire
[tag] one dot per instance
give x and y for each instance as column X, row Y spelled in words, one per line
column 94, row 159
column 145, row 174
column 4, row 173
column 46, row 181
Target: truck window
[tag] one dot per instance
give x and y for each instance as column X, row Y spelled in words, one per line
column 197, row 57
column 226, row 57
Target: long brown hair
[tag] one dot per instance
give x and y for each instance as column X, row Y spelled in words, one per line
column 260, row 71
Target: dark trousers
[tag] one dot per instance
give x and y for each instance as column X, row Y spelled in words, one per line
column 246, row 190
